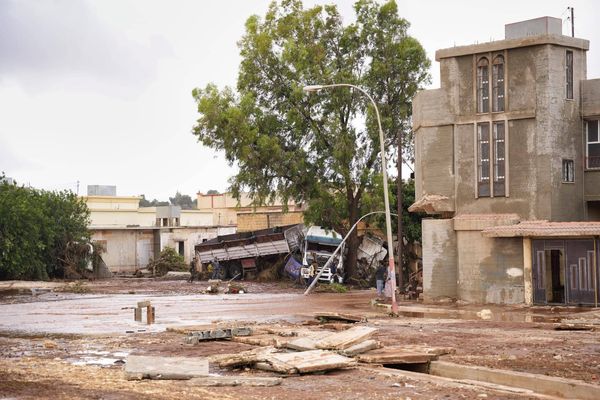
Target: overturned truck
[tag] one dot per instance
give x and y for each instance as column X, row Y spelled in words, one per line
column 241, row 253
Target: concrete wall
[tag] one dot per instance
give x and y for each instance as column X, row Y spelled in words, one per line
column 590, row 93
column 490, row 270
column 126, row 249
column 122, row 218
column 440, row 260
column 436, row 177
column 261, row 220
column 196, row 218
column 190, row 237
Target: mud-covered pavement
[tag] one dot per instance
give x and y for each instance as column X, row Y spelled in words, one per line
column 73, row 345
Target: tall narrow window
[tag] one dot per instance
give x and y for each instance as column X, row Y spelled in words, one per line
column 568, row 171
column 499, row 159
column 483, row 89
column 483, row 160
column 593, row 145
column 569, row 73
column 498, row 84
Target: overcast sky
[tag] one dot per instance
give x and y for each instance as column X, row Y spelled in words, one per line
column 100, row 91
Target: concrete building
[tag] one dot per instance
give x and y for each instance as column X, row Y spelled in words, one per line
column 228, row 211
column 507, row 156
column 132, row 235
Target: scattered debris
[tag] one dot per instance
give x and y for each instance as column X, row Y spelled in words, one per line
column 150, row 312
column 345, row 339
column 362, row 347
column 305, row 362
column 330, row 316
column 395, row 355
column 218, row 333
column 573, row 327
column 154, row 367
column 235, row 288
column 235, row 381
column 242, row 358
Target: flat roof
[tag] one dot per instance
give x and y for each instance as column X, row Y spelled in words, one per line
column 545, row 229
column 497, row 45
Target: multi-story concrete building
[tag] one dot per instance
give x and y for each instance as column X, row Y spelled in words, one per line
column 508, row 157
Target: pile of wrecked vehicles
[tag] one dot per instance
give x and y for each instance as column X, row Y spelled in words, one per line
column 303, row 252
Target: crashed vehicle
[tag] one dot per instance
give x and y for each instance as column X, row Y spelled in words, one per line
column 319, row 244
column 244, row 252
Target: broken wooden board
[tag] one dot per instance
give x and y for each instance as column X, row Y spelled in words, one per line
column 153, row 367
column 343, row 340
column 235, row 381
column 308, row 361
column 415, row 348
column 302, row 344
column 331, row 316
column 395, row 355
column 242, row 358
column 361, row 347
column 573, row 327
column 218, row 333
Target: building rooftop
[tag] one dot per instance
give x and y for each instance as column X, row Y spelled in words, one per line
column 545, row 229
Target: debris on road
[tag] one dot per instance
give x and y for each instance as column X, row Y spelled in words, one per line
column 345, row 339
column 153, row 367
column 217, row 333
column 150, row 312
column 235, row 381
column 331, row 316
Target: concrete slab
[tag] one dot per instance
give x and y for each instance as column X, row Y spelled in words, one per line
column 552, row 386
column 153, row 367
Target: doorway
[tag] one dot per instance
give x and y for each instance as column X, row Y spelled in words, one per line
column 181, row 248
column 555, row 276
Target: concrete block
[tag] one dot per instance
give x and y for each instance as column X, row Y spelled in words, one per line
column 551, row 386
column 152, row 367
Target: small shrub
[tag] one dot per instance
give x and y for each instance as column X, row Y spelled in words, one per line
column 168, row 260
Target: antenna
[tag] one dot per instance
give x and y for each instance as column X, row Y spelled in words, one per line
column 572, row 18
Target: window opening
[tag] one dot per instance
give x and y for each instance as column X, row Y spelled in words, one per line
column 483, row 82
column 498, row 84
column 568, row 171
column 569, row 74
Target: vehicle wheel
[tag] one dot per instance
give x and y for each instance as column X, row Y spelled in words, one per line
column 236, row 271
column 220, row 273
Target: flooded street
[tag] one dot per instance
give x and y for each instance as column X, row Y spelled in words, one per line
column 59, row 344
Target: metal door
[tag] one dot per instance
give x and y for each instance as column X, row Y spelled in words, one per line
column 580, row 271
column 539, row 272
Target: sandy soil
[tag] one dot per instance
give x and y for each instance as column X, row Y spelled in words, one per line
column 72, row 345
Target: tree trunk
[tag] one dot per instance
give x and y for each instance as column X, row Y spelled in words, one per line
column 352, row 244
column 400, row 265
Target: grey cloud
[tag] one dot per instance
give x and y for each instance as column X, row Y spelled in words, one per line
column 42, row 40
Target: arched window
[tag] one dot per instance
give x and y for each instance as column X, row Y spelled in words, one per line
column 498, row 84
column 483, row 81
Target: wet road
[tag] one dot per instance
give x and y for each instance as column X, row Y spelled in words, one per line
column 113, row 313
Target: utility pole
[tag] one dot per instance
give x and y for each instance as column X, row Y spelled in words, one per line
column 399, row 212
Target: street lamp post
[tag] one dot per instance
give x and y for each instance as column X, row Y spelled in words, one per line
column 388, row 218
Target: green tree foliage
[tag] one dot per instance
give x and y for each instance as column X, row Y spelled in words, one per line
column 151, row 203
column 322, row 149
column 40, row 232
column 168, row 260
column 183, row 200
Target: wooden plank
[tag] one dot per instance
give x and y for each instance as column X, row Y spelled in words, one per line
column 361, row 347
column 311, row 361
column 328, row 316
column 437, row 351
column 343, row 340
column 235, row 381
column 242, row 358
column 397, row 355
column 152, row 367
column 302, row 344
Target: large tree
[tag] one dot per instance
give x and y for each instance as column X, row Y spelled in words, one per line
column 322, row 149
column 42, row 233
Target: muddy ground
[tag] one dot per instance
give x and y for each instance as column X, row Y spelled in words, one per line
column 60, row 344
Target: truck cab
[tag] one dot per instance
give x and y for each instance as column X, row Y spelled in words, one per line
column 319, row 244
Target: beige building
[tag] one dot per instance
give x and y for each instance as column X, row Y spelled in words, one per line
column 132, row 235
column 511, row 140
column 228, row 211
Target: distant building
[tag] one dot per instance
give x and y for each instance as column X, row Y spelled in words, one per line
column 507, row 155
column 132, row 235
column 228, row 211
